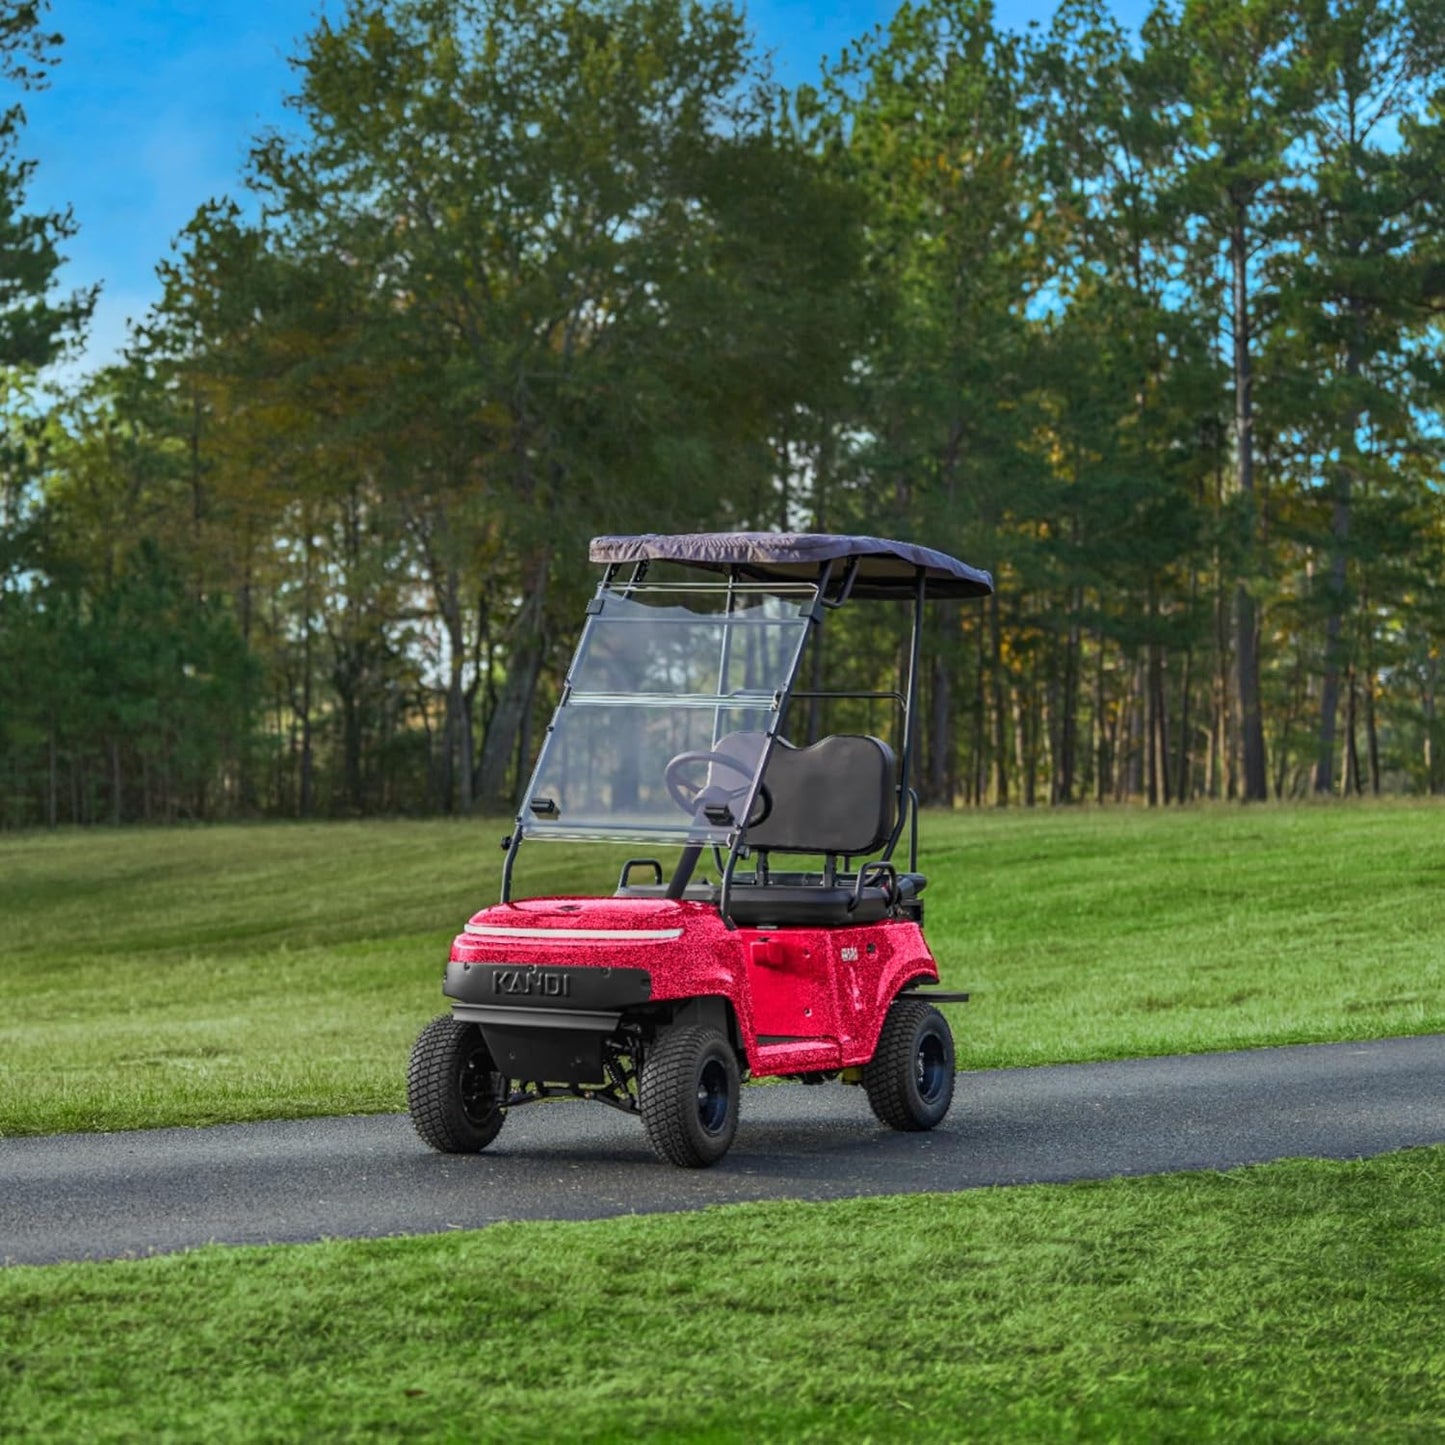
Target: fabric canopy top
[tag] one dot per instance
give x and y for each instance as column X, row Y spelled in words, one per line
column 885, row 568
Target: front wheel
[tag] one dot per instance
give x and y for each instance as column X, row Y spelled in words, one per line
column 688, row 1095
column 909, row 1080
column 453, row 1089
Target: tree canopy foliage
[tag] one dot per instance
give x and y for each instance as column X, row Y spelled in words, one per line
column 1147, row 325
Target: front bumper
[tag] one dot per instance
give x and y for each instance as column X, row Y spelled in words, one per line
column 547, row 988
column 545, row 1022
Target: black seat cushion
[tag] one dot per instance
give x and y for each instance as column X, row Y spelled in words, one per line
column 808, row 905
column 838, row 795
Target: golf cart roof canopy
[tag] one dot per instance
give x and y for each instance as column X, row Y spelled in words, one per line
column 885, row 569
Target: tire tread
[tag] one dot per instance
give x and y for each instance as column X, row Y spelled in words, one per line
column 433, row 1095
column 667, row 1098
column 887, row 1078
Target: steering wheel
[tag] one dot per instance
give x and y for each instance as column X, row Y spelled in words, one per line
column 687, row 795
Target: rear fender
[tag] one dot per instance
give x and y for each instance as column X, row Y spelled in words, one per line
column 711, row 1012
column 904, row 960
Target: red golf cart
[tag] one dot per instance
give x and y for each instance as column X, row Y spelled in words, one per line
column 802, row 957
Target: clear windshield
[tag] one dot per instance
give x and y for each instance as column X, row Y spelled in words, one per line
column 670, row 699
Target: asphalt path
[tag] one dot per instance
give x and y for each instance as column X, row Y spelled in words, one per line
column 82, row 1196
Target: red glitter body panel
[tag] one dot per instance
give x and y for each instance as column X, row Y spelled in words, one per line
column 805, row 998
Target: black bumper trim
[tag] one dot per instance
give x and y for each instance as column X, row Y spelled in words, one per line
column 527, row 988
column 592, row 1020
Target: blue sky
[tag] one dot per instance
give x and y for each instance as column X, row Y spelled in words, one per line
column 155, row 102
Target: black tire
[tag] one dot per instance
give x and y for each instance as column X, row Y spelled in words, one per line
column 453, row 1089
column 689, row 1096
column 909, row 1080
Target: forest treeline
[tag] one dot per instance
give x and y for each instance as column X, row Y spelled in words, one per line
column 1147, row 325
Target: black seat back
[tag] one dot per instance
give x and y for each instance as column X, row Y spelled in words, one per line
column 837, row 796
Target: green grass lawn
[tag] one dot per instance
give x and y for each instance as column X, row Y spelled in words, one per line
column 1294, row 1301
column 198, row 975
column 230, row 973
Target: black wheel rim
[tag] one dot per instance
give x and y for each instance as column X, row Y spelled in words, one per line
column 477, row 1085
column 712, row 1097
column 930, row 1068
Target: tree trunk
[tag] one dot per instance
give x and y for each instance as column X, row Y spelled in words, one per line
column 1251, row 722
column 524, row 662
column 524, row 732
column 1296, row 703
column 1216, row 781
column 1024, row 750
column 1324, row 781
column 1161, row 725
column 1069, row 703
column 1131, row 774
column 346, row 688
column 1184, row 777
column 246, row 780
column 1156, row 758
column 1352, row 751
column 308, row 786
column 1184, row 780
column 941, row 732
column 1000, row 717
column 1340, row 535
column 457, row 730
column 351, row 649
column 1050, row 709
column 978, row 768
column 116, row 790
column 52, row 806
column 423, row 707
column 817, row 665
column 1427, row 701
column 1102, row 780
column 1372, row 735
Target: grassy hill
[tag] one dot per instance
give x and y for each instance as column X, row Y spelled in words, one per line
column 199, row 975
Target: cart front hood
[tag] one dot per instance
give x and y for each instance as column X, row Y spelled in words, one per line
column 684, row 947
column 605, row 921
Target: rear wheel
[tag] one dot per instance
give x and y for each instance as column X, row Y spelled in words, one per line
column 688, row 1095
column 909, row 1080
column 453, row 1089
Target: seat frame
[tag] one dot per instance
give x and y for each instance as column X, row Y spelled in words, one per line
column 854, row 778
